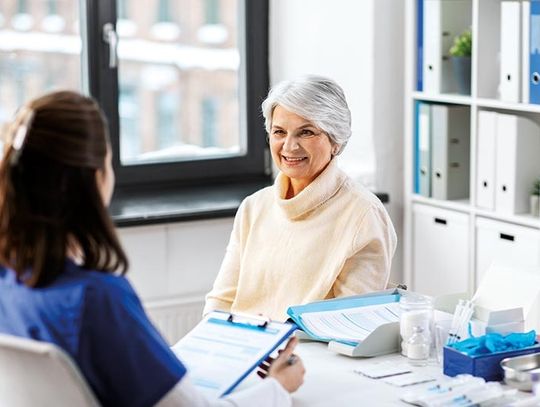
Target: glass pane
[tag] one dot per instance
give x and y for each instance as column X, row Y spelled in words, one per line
column 40, row 50
column 179, row 80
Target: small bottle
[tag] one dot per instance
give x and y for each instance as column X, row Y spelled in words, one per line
column 418, row 346
column 415, row 310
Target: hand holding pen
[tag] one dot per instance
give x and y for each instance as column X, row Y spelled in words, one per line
column 288, row 368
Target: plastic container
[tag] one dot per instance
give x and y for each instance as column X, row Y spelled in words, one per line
column 416, row 310
column 487, row 366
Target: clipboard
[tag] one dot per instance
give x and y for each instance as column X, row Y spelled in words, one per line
column 224, row 348
column 380, row 340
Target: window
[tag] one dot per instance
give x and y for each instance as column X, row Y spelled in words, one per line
column 183, row 96
column 176, row 72
column 211, row 11
column 37, row 53
column 129, row 112
column 164, row 11
column 209, row 121
column 168, row 110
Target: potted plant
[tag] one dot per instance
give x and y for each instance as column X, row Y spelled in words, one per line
column 535, row 198
column 461, row 61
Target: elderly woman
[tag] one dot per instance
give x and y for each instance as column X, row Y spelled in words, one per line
column 314, row 234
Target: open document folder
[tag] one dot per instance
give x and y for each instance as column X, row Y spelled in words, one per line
column 361, row 325
column 224, row 348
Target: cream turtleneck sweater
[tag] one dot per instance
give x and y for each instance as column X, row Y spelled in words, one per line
column 333, row 239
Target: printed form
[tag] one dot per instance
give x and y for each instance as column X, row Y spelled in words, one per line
column 218, row 354
column 350, row 324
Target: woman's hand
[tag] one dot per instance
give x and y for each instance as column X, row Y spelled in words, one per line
column 287, row 368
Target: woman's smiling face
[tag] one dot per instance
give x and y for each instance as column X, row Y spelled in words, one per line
column 300, row 149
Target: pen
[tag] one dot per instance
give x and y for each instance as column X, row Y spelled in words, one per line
column 291, row 360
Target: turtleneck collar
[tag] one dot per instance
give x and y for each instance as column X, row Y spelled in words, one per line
column 319, row 191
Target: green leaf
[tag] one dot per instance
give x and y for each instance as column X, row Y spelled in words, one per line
column 462, row 46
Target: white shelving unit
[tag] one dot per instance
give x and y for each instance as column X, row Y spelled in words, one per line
column 431, row 250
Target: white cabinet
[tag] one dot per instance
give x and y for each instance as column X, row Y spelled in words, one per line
column 445, row 258
column 505, row 243
column 441, row 250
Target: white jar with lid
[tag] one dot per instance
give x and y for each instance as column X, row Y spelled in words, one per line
column 416, row 311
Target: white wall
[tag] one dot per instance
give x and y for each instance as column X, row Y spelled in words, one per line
column 335, row 39
column 177, row 259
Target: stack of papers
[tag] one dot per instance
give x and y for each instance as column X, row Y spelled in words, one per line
column 351, row 324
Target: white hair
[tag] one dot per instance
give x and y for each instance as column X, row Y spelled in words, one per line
column 317, row 99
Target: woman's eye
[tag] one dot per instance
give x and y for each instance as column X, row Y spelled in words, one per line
column 306, row 133
column 278, row 132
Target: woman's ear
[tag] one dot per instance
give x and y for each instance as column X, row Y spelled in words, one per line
column 105, row 179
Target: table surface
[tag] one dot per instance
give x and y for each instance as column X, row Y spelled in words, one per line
column 330, row 379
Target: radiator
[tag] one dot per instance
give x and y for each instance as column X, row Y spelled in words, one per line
column 175, row 317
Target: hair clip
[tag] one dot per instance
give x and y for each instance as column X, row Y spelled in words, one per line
column 21, row 131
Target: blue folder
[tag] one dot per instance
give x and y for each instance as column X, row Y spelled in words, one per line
column 380, row 297
column 419, row 43
column 534, row 56
column 381, row 340
column 416, row 170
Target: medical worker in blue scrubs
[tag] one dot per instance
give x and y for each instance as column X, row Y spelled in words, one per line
column 62, row 265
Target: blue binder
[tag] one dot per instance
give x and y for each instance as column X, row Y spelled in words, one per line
column 419, row 43
column 381, row 340
column 534, row 56
column 416, row 149
column 423, row 147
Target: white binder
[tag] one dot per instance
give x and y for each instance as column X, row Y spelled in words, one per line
column 510, row 73
column 525, row 44
column 518, row 164
column 424, row 149
column 485, row 177
column 443, row 20
column 450, row 127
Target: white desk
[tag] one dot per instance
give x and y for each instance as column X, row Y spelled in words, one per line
column 331, row 381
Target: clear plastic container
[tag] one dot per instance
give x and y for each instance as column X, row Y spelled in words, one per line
column 416, row 310
column 418, row 347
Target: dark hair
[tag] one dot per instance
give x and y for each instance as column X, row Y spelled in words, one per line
column 49, row 196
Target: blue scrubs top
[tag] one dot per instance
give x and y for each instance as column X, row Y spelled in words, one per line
column 98, row 320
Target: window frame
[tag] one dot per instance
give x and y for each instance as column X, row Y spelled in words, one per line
column 103, row 85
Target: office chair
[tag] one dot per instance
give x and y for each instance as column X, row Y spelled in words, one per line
column 41, row 374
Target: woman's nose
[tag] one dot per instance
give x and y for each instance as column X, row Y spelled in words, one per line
column 290, row 143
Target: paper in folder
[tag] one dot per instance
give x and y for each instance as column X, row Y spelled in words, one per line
column 361, row 325
column 224, row 348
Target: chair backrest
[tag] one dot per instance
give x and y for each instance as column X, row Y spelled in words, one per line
column 36, row 373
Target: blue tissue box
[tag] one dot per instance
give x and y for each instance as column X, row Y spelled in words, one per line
column 486, row 366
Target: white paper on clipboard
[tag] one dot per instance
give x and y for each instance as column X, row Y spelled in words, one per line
column 222, row 350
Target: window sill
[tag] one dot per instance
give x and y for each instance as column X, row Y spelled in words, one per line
column 146, row 206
